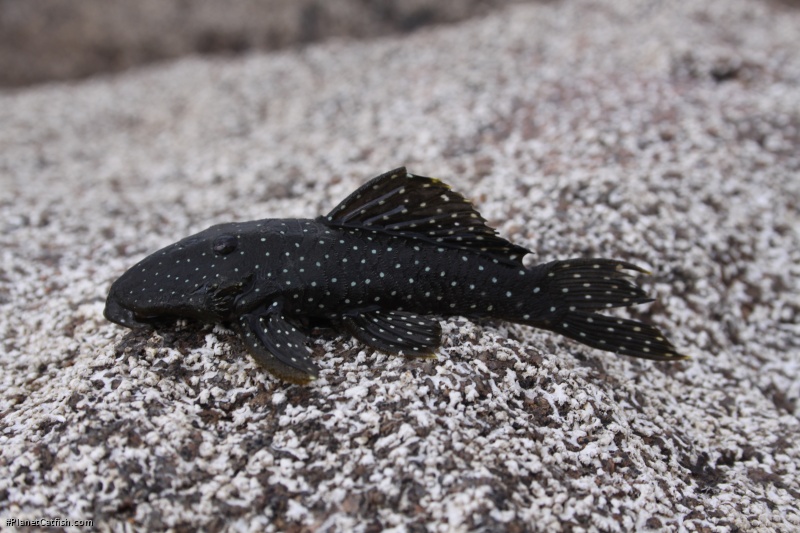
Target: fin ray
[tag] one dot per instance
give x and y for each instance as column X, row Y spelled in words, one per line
column 403, row 204
column 618, row 335
column 571, row 290
column 593, row 284
column 396, row 331
column 277, row 345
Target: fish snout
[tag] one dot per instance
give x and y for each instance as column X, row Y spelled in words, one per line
column 118, row 314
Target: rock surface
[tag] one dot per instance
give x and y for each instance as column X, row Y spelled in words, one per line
column 61, row 39
column 662, row 134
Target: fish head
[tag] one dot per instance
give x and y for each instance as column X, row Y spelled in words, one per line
column 200, row 277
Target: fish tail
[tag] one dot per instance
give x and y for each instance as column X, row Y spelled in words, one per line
column 568, row 294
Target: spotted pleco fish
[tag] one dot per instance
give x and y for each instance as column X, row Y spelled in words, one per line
column 384, row 265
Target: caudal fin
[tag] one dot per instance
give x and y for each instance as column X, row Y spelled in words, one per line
column 572, row 290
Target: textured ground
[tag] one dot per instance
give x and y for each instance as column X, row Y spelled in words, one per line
column 669, row 138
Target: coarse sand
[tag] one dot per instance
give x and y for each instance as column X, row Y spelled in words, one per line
column 662, row 133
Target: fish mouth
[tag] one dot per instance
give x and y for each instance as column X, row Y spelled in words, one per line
column 123, row 316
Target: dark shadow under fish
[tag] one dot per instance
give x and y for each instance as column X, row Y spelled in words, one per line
column 389, row 260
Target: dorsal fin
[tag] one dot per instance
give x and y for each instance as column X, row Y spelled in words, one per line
column 417, row 207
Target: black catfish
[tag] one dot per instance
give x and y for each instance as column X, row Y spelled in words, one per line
column 389, row 260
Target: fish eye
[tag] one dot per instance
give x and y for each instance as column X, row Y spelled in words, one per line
column 224, row 244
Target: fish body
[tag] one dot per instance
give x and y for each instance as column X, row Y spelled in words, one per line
column 384, row 264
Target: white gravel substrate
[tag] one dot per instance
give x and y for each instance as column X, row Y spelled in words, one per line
column 644, row 131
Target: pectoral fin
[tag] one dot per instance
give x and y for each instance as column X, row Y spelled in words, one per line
column 396, row 332
column 277, row 345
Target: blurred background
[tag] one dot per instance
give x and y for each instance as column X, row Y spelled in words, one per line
column 63, row 39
